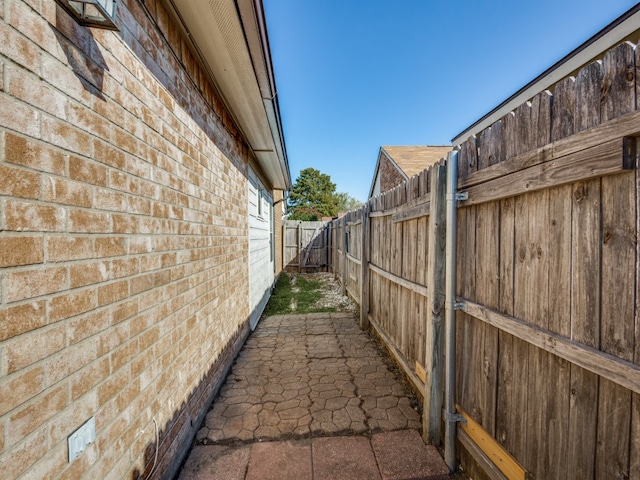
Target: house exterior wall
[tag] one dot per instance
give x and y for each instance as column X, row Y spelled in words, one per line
column 124, row 253
column 261, row 259
column 389, row 174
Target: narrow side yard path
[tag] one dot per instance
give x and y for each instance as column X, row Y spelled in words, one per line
column 310, row 396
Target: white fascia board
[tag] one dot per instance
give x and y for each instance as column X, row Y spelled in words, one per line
column 376, row 173
column 255, row 29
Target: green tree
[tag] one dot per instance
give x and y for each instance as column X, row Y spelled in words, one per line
column 313, row 196
column 347, row 203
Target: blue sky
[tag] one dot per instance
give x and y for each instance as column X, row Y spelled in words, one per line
column 353, row 75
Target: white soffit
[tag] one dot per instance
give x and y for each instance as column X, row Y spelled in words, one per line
column 215, row 29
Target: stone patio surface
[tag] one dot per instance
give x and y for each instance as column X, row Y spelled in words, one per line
column 311, row 397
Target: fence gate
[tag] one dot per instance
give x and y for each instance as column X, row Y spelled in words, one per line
column 306, row 246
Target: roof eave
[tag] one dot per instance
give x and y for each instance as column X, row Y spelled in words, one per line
column 230, row 39
column 255, row 27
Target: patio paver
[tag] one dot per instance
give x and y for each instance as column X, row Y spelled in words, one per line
column 310, row 396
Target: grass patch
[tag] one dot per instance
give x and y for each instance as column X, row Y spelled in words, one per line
column 296, row 294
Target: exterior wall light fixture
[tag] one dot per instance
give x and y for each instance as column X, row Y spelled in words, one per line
column 92, row 13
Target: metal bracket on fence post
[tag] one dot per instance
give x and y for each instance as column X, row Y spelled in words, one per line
column 455, row 418
column 458, row 196
column 460, row 306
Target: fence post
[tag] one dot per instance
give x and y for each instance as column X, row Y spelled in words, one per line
column 343, row 262
column 327, row 245
column 451, row 419
column 432, row 409
column 336, row 251
column 364, row 270
column 284, row 245
column 335, row 225
column 299, row 247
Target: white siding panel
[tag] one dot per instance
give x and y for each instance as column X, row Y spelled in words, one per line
column 261, row 262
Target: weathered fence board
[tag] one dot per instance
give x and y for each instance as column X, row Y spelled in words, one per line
column 434, row 274
column 585, row 307
column 486, row 253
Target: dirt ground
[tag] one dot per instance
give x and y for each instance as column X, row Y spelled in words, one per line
column 331, row 292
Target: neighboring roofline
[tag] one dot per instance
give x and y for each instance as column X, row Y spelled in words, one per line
column 395, row 164
column 375, row 173
column 616, row 31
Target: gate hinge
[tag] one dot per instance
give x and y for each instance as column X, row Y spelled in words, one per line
column 462, row 196
column 460, row 306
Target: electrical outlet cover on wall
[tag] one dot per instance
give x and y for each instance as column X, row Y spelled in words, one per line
column 82, row 437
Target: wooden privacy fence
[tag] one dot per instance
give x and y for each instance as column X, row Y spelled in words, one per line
column 380, row 256
column 306, row 246
column 548, row 331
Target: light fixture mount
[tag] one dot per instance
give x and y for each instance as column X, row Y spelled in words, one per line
column 92, row 13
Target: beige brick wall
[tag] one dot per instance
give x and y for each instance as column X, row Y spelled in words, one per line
column 123, row 240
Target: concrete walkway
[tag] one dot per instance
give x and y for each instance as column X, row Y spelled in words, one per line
column 311, row 397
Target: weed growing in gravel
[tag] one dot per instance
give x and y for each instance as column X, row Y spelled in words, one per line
column 296, row 294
